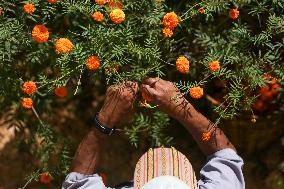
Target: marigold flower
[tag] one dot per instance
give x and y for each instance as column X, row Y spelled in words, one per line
column 201, row 10
column 259, row 106
column 168, row 32
column 29, row 87
column 29, row 8
column 182, row 64
column 1, row 11
column 98, row 16
column 93, row 63
column 266, row 94
column 45, row 178
column 206, row 136
column 115, row 4
column 170, row 20
column 61, row 91
column 63, row 45
column 274, row 88
column 27, row 103
column 40, row 33
column 101, row 2
column 52, row 1
column 234, row 13
column 214, row 66
column 196, row 92
column 117, row 16
column 145, row 97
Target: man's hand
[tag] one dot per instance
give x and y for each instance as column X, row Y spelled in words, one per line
column 118, row 103
column 165, row 95
column 168, row 98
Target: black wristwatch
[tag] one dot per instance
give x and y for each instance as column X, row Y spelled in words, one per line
column 102, row 128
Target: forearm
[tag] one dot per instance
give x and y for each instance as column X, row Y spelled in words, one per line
column 197, row 124
column 87, row 154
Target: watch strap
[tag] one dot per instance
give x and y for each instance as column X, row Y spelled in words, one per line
column 102, row 128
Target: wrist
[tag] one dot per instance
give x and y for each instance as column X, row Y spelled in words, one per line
column 106, row 119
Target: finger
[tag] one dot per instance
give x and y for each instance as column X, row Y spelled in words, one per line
column 133, row 85
column 149, row 91
column 150, row 80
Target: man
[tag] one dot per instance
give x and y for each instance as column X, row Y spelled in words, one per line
column 161, row 168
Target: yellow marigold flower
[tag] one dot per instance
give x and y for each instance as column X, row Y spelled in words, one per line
column 29, row 87
column 27, row 103
column 170, row 20
column 29, row 8
column 117, row 16
column 63, row 45
column 93, row 63
column 40, row 33
column 52, row 1
column 182, row 64
column 168, row 32
column 214, row 66
column 196, row 92
column 234, row 14
column 101, row 2
column 98, row 16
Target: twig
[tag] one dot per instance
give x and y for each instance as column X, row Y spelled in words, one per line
column 214, row 101
column 79, row 81
column 29, row 181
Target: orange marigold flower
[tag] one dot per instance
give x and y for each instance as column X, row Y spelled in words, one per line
column 259, row 106
column 201, row 10
column 214, row 66
column 206, row 136
column 274, row 88
column 29, row 8
column 266, row 94
column 52, row 1
column 182, row 64
column 45, row 178
column 117, row 16
column 115, row 4
column 168, row 32
column 170, row 20
column 40, row 33
column 93, row 63
column 234, row 14
column 61, row 91
column 98, row 16
column 196, row 92
column 27, row 103
column 63, row 45
column 1, row 11
column 29, row 87
column 101, row 2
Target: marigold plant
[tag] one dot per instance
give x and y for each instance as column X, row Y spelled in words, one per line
column 225, row 56
column 27, row 103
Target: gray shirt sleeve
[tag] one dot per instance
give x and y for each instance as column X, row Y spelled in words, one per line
column 222, row 170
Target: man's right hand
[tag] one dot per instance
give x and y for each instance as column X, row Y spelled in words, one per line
column 165, row 95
